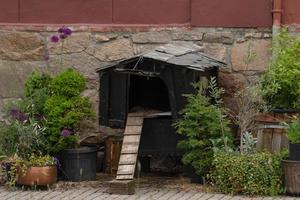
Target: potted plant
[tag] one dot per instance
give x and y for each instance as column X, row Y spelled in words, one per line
column 280, row 85
column 64, row 110
column 26, row 160
column 293, row 135
column 204, row 126
column 33, row 171
column 280, row 88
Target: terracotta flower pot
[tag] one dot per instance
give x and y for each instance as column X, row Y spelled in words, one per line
column 38, row 176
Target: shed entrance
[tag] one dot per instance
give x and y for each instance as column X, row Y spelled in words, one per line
column 148, row 93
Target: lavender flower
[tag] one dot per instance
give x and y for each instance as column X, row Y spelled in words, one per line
column 63, row 36
column 65, row 31
column 54, row 38
column 65, row 133
column 18, row 115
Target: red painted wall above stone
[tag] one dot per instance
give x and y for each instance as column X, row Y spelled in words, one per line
column 66, row 11
column 9, row 11
column 291, row 12
column 151, row 11
column 198, row 13
column 231, row 13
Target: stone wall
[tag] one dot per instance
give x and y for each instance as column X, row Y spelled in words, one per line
column 25, row 49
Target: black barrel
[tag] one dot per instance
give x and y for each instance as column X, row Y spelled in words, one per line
column 294, row 152
column 79, row 164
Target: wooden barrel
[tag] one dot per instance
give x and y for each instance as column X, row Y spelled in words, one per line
column 291, row 171
column 271, row 134
column 113, row 147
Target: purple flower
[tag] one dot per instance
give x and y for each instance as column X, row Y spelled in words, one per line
column 54, row 38
column 67, row 31
column 63, row 36
column 65, row 133
column 64, row 30
column 61, row 29
column 18, row 115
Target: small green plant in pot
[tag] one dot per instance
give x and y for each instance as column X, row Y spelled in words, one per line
column 65, row 109
column 293, row 135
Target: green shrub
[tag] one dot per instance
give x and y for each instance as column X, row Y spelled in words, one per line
column 205, row 128
column 65, row 109
column 69, row 83
column 250, row 174
column 36, row 92
column 280, row 85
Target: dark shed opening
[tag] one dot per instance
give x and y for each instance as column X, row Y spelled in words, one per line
column 154, row 82
column 149, row 93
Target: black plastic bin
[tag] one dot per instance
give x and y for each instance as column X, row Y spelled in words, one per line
column 79, row 164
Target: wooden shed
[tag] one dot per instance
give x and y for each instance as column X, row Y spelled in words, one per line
column 153, row 83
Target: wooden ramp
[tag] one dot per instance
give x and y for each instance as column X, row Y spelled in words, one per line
column 130, row 146
column 124, row 184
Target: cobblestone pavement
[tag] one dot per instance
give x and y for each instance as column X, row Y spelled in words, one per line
column 101, row 194
column 148, row 188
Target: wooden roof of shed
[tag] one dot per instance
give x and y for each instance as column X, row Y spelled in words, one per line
column 182, row 54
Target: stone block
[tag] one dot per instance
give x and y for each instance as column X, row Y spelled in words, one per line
column 76, row 43
column 232, row 83
column 115, row 50
column 161, row 37
column 122, row 187
column 188, row 35
column 105, row 37
column 21, row 46
column 215, row 50
column 240, row 55
column 13, row 75
column 219, row 37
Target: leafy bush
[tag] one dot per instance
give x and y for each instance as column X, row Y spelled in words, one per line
column 69, row 83
column 280, row 85
column 250, row 174
column 205, row 127
column 65, row 109
column 23, row 138
column 36, row 93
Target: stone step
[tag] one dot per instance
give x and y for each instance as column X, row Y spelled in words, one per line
column 122, row 187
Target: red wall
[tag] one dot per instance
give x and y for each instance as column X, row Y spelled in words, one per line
column 66, row 11
column 9, row 11
column 231, row 13
column 291, row 12
column 151, row 11
column 205, row 13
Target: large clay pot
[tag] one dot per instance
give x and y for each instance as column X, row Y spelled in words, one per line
column 41, row 176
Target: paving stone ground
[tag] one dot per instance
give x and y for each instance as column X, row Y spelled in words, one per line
column 141, row 194
column 154, row 188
